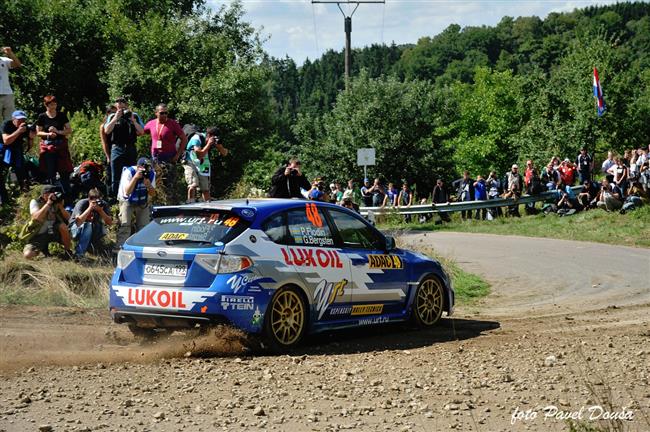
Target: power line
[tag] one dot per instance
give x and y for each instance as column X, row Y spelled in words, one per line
column 348, row 29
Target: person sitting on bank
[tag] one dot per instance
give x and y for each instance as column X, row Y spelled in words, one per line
column 48, row 211
column 88, row 223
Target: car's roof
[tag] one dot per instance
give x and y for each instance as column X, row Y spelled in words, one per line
column 265, row 205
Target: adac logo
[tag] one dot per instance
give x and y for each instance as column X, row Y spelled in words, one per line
column 326, row 293
column 386, row 262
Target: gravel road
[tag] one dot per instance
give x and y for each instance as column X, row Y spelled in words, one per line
column 550, row 341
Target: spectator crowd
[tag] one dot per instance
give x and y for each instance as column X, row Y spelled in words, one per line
column 74, row 205
column 624, row 186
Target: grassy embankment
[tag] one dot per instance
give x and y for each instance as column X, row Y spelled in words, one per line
column 52, row 282
column 631, row 229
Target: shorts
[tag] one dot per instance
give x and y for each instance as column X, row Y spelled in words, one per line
column 40, row 242
column 192, row 178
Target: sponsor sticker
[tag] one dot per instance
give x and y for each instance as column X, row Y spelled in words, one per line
column 159, row 298
column 239, row 281
column 386, row 262
column 308, row 257
column 371, row 309
column 325, row 294
column 238, row 303
column 173, row 236
column 340, row 310
column 374, row 320
column 257, row 317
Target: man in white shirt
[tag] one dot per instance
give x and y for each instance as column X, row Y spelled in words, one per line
column 6, row 93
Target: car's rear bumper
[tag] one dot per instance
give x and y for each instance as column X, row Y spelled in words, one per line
column 158, row 319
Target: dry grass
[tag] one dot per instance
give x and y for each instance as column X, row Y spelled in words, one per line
column 52, row 282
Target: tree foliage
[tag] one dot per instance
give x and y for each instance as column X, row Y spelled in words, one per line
column 473, row 97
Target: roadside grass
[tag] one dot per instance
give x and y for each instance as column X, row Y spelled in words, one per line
column 53, row 282
column 630, row 229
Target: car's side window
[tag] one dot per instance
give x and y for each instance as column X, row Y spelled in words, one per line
column 308, row 226
column 354, row 233
column 276, row 228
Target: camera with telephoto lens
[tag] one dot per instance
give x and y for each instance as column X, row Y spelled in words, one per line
column 58, row 196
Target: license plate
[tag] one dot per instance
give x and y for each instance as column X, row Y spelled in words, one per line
column 165, row 269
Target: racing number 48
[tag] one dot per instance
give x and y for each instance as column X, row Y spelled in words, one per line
column 312, row 214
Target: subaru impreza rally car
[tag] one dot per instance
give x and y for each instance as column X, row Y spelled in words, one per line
column 282, row 268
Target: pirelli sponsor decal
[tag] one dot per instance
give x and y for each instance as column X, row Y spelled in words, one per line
column 370, row 309
column 386, row 262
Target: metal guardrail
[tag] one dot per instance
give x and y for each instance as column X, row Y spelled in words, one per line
column 462, row 206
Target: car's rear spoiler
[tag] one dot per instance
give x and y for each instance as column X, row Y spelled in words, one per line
column 247, row 213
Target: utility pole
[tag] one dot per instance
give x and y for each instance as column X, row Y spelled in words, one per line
column 348, row 30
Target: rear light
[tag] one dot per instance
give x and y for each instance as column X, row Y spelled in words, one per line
column 208, row 262
column 234, row 263
column 223, row 263
column 124, row 258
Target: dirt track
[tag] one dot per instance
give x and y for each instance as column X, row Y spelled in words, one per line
column 548, row 335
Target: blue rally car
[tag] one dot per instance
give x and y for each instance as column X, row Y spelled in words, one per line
column 282, row 268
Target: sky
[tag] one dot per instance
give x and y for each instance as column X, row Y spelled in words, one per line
column 301, row 30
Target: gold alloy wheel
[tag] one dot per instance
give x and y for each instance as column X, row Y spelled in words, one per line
column 287, row 317
column 428, row 303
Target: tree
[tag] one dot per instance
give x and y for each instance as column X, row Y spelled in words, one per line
column 396, row 118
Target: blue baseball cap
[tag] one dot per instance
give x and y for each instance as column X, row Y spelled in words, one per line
column 18, row 115
column 143, row 161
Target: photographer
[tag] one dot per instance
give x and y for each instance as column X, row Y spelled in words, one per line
column 197, row 162
column 53, row 127
column 122, row 130
column 87, row 223
column 49, row 213
column 136, row 184
column 17, row 137
column 288, row 180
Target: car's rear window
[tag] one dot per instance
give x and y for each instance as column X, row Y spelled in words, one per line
column 190, row 229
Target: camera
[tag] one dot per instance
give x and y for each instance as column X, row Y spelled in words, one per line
column 126, row 113
column 293, row 172
column 146, row 170
column 100, row 202
column 58, row 196
column 30, row 127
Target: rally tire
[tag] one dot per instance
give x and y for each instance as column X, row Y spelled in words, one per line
column 428, row 302
column 285, row 320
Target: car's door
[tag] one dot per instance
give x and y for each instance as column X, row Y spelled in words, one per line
column 380, row 279
column 308, row 246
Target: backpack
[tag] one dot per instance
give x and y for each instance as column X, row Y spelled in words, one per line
column 190, row 130
column 89, row 171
